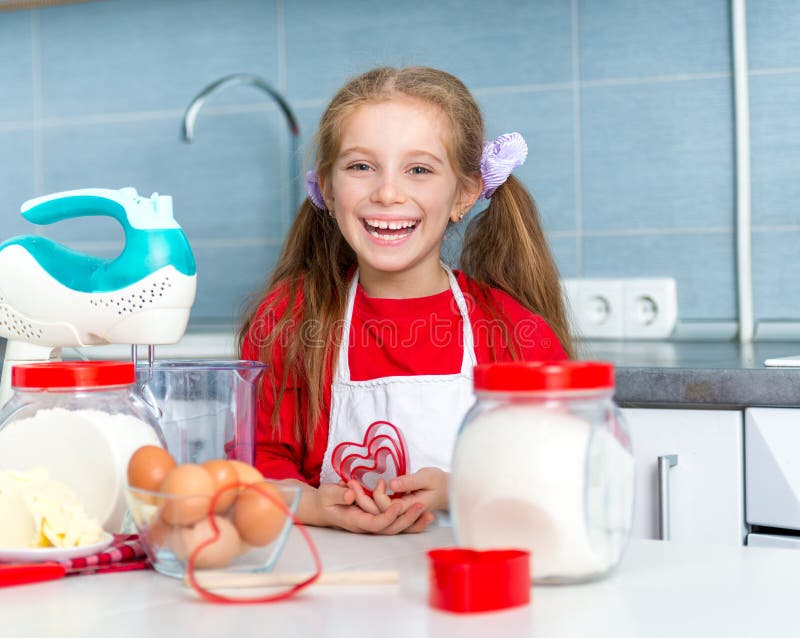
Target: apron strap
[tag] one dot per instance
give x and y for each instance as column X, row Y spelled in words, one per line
column 342, row 373
column 468, row 359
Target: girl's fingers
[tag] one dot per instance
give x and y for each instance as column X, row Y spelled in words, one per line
column 410, row 482
column 406, row 520
column 421, row 523
column 380, row 497
column 361, row 498
column 378, row 523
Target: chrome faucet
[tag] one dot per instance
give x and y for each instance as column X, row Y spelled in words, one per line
column 192, row 111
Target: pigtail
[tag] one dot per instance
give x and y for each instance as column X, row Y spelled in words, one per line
column 505, row 247
column 315, row 258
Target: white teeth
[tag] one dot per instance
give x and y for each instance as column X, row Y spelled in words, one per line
column 375, row 223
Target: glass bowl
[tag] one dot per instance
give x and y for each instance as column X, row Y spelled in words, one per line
column 252, row 526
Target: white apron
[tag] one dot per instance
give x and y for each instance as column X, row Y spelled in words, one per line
column 427, row 409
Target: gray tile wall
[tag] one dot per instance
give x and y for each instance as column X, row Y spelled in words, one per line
column 626, row 105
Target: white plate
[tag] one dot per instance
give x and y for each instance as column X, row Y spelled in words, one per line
column 43, row 554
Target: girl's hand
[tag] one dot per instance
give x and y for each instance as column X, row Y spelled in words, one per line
column 336, row 505
column 428, row 486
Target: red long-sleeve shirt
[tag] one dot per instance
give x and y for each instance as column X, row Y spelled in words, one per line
column 392, row 337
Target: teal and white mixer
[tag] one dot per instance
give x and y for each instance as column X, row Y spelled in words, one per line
column 53, row 297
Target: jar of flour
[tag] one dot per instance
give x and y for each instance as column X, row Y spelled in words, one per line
column 81, row 421
column 543, row 462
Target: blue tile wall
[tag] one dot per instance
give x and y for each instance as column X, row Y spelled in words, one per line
column 774, row 57
column 507, row 42
column 702, row 265
column 565, row 252
column 775, row 148
column 16, row 181
column 226, row 183
column 776, row 271
column 657, row 155
column 626, row 105
column 638, row 39
column 16, row 77
column 124, row 56
column 227, row 278
column 772, row 29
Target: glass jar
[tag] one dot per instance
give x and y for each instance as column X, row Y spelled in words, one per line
column 80, row 421
column 543, row 462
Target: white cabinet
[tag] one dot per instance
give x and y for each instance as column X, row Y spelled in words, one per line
column 772, row 437
column 705, row 487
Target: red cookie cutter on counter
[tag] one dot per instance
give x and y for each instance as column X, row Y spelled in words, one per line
column 466, row 580
column 381, row 455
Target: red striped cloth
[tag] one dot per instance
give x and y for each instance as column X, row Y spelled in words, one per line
column 125, row 553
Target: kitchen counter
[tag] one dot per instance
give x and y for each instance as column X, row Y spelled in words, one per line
column 661, row 589
column 703, row 374
column 687, row 374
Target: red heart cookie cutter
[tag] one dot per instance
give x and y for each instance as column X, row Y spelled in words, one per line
column 381, row 455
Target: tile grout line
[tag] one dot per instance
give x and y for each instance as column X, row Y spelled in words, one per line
column 786, row 70
column 285, row 141
column 655, row 79
column 640, row 232
column 577, row 147
column 280, row 28
column 16, row 125
column 777, row 228
column 36, row 80
column 654, row 232
column 522, row 88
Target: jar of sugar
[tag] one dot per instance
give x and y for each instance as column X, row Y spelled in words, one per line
column 543, row 462
column 81, row 421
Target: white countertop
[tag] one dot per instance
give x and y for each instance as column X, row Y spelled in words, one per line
column 661, row 589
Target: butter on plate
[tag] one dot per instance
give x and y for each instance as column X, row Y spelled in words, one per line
column 39, row 512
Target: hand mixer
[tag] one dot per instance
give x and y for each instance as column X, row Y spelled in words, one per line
column 52, row 296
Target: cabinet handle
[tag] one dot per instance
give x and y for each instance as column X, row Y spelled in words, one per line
column 664, row 464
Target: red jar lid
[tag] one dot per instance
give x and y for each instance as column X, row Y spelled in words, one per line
column 544, row 376
column 72, row 374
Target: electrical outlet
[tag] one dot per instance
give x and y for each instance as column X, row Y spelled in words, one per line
column 636, row 308
column 650, row 307
column 596, row 306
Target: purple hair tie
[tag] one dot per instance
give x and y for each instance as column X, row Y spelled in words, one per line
column 313, row 190
column 501, row 156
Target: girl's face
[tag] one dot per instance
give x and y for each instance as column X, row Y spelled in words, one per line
column 393, row 189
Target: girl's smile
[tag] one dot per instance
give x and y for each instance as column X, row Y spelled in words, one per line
column 390, row 231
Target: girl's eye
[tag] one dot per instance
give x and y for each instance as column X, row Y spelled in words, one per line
column 359, row 167
column 419, row 170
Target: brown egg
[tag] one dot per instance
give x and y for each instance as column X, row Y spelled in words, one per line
column 217, row 554
column 259, row 519
column 224, row 475
column 187, row 493
column 247, row 473
column 148, row 466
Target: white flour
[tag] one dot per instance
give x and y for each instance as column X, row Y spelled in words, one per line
column 88, row 450
column 518, row 482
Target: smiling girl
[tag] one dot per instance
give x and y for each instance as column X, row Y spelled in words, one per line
column 363, row 322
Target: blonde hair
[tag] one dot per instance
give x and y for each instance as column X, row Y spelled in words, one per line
column 504, row 247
